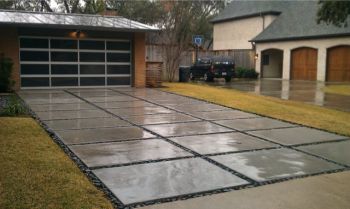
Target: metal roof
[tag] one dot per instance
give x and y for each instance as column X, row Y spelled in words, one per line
column 77, row 21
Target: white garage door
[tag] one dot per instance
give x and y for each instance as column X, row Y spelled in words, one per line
column 62, row 62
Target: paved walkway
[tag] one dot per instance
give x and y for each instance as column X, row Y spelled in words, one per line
column 303, row 91
column 149, row 146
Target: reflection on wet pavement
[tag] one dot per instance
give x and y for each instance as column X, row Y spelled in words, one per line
column 302, row 91
column 145, row 144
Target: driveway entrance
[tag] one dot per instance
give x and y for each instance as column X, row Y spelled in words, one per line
column 147, row 146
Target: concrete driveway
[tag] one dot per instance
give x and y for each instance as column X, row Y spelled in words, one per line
column 148, row 146
column 303, row 91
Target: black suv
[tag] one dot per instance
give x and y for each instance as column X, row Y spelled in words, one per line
column 213, row 67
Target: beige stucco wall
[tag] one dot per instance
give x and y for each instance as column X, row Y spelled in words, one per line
column 236, row 34
column 320, row 44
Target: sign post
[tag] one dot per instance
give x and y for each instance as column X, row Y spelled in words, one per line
column 197, row 40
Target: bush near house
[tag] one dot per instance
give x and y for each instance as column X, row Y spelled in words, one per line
column 11, row 105
column 245, row 73
column 6, row 82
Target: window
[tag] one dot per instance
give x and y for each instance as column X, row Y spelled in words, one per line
column 64, row 56
column 92, row 45
column 118, row 69
column 266, row 59
column 34, row 69
column 34, row 56
column 34, row 43
column 113, row 45
column 92, row 57
column 64, row 69
column 63, row 44
column 92, row 69
column 64, row 81
column 118, row 57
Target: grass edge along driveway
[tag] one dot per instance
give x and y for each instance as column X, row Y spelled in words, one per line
column 36, row 173
column 296, row 112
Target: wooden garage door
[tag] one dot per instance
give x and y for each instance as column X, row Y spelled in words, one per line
column 338, row 64
column 304, row 64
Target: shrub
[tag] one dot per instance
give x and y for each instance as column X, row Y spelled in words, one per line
column 14, row 107
column 245, row 73
column 6, row 82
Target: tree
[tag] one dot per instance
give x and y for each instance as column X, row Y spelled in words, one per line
column 334, row 12
column 182, row 20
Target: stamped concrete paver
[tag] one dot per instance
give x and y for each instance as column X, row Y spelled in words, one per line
column 72, row 114
column 182, row 129
column 55, row 107
column 219, row 143
column 297, row 135
column 138, row 183
column 86, row 123
column 160, row 118
column 254, row 124
column 338, row 152
column 275, row 164
column 103, row 135
column 222, row 115
column 140, row 111
column 126, row 152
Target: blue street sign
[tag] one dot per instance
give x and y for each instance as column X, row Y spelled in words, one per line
column 197, row 40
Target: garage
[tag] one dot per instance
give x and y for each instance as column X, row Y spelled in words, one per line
column 338, row 64
column 58, row 50
column 304, row 64
column 64, row 62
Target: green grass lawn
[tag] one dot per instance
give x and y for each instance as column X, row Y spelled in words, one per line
column 338, row 89
column 36, row 173
column 297, row 112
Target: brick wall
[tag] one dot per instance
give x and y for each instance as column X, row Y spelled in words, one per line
column 10, row 47
column 139, row 60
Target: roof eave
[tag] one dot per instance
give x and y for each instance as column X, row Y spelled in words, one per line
column 300, row 38
column 245, row 16
column 79, row 27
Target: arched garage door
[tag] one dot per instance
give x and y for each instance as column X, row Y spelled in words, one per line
column 304, row 64
column 338, row 63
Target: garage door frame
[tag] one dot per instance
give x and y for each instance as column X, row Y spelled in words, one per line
column 78, row 62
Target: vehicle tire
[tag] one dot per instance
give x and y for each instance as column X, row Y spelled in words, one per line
column 192, row 78
column 228, row 79
column 208, row 77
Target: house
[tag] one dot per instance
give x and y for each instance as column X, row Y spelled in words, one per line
column 51, row 50
column 287, row 41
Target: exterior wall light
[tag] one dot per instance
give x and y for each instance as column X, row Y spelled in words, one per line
column 256, row 56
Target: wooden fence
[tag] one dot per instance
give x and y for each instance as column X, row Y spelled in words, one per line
column 242, row 57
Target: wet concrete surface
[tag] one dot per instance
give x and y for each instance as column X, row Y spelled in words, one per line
column 55, row 107
column 72, row 114
column 86, row 123
column 220, row 143
column 126, row 152
column 182, row 129
column 103, row 135
column 286, row 163
column 338, row 152
column 138, row 183
column 317, row 192
column 254, row 124
column 140, row 111
column 304, row 91
column 221, row 115
column 296, row 135
column 166, row 129
column 161, row 118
